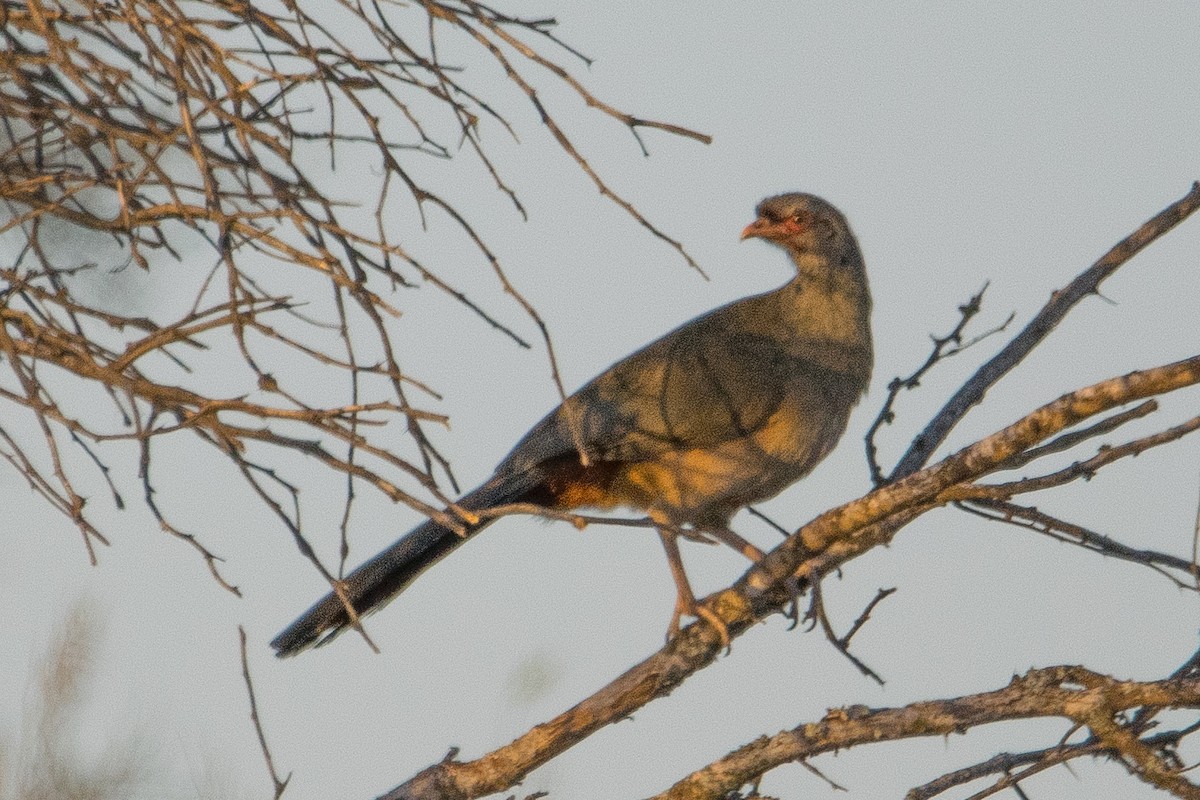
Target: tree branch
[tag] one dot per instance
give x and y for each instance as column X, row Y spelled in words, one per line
column 143, row 132
column 1061, row 302
column 1074, row 693
column 817, row 548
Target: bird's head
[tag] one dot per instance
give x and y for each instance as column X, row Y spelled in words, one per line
column 801, row 223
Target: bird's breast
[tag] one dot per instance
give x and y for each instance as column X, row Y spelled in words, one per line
column 705, row 486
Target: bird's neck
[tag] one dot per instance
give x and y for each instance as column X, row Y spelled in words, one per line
column 831, row 305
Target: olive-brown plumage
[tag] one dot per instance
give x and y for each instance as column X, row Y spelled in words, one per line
column 726, row 410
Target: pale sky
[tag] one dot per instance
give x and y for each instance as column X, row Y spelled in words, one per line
column 966, row 143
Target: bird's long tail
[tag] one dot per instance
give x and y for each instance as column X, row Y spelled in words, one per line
column 377, row 581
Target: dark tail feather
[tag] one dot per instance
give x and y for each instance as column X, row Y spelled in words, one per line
column 376, row 582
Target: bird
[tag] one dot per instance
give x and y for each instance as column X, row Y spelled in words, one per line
column 725, row 411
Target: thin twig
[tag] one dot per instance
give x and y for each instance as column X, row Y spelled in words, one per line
column 1060, row 530
column 280, row 784
column 943, row 347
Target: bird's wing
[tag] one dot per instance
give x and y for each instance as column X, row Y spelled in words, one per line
column 713, row 380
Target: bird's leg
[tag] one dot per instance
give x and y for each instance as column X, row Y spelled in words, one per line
column 685, row 599
column 728, row 537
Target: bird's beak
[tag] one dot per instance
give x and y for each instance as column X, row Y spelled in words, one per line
column 759, row 227
column 772, row 230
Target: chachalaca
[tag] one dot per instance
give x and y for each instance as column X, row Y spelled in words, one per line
column 724, row 411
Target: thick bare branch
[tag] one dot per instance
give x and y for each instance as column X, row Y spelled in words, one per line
column 1073, row 693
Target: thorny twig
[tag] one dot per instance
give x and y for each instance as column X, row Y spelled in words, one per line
column 943, row 347
column 816, row 615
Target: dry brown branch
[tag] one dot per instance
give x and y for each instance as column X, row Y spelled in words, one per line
column 1060, row 304
column 992, row 501
column 1082, row 469
column 1071, row 439
column 201, row 143
column 1096, row 702
column 816, row 549
column 1011, row 767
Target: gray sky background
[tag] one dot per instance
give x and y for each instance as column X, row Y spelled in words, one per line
column 966, row 143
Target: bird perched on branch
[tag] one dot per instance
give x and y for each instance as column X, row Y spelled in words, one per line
column 724, row 411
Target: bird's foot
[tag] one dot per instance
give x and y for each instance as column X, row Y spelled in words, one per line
column 692, row 608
